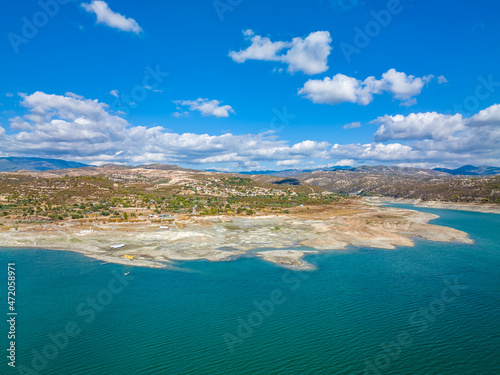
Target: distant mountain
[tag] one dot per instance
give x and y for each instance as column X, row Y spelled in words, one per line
column 470, row 170
column 397, row 171
column 166, row 167
column 366, row 169
column 408, row 183
column 283, row 173
column 293, row 172
column 13, row 164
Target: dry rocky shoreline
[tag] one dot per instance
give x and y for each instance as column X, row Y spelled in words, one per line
column 487, row 208
column 279, row 239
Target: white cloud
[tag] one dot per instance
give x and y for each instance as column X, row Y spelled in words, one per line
column 180, row 114
column 344, row 163
column 18, row 123
column 288, row 162
column 336, row 90
column 487, row 117
column 341, row 88
column 231, row 157
column 374, row 151
column 446, row 138
column 115, row 93
column 402, row 86
column 73, row 95
column 308, row 55
column 418, row 126
column 442, row 79
column 261, row 49
column 420, row 165
column 9, row 95
column 206, row 107
column 65, row 126
column 107, row 17
column 352, row 125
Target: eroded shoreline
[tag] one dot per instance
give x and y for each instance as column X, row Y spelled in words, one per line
column 274, row 238
column 487, row 208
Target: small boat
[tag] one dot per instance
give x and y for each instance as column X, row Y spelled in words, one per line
column 126, row 273
column 119, row 246
column 163, row 227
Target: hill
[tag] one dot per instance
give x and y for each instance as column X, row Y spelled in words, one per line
column 13, row 164
column 255, row 191
column 115, row 192
column 379, row 169
column 470, row 170
column 413, row 185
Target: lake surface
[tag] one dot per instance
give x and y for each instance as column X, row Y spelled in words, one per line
column 363, row 311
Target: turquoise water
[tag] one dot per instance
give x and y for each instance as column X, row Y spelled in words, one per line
column 336, row 320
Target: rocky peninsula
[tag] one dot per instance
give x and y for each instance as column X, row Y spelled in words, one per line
column 283, row 239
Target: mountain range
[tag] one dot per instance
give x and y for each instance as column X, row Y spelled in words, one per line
column 470, row 170
column 13, row 164
column 467, row 170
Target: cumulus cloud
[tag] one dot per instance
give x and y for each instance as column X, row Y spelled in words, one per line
column 352, row 125
column 336, row 90
column 374, row 151
column 206, row 107
column 418, row 126
column 68, row 127
column 289, row 162
column 107, row 17
column 487, row 117
column 345, row 163
column 308, row 55
column 17, row 123
column 444, row 138
column 341, row 88
column 63, row 126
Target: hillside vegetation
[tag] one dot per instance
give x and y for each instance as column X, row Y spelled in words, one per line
column 123, row 193
column 438, row 188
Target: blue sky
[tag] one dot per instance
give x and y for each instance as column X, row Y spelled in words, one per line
column 255, row 84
